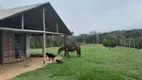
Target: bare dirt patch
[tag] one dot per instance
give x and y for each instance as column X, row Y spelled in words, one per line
column 9, row 71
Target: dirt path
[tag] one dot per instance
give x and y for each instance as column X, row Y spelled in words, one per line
column 9, row 71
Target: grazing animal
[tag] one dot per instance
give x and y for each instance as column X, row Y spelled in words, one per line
column 50, row 56
column 59, row 61
column 70, row 48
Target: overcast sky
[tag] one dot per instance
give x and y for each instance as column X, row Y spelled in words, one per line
column 83, row 16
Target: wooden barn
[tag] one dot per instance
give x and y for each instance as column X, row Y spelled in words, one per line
column 18, row 24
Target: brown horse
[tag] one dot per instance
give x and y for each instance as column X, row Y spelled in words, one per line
column 70, row 48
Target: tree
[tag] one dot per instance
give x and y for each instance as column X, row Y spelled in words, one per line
column 109, row 42
column 105, row 42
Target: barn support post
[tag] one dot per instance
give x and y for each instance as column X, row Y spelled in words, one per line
column 22, row 21
column 27, row 45
column 44, row 47
column 44, row 36
column 65, row 39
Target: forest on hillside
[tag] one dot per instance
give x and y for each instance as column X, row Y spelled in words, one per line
column 126, row 38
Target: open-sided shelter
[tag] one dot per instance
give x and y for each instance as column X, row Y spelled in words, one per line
column 17, row 24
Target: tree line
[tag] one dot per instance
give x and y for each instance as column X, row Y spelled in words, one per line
column 126, row 38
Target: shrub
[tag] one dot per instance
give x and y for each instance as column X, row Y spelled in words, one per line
column 110, row 42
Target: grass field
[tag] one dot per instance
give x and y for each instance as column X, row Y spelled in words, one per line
column 96, row 63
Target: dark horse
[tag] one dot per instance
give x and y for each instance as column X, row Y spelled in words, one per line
column 70, row 48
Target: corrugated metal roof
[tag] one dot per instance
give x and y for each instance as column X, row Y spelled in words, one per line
column 9, row 12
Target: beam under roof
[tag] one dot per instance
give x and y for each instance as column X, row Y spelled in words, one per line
column 30, row 31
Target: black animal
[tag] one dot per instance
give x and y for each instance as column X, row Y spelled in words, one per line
column 50, row 56
column 59, row 61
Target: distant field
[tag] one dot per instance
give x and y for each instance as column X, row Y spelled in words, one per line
column 39, row 51
column 96, row 63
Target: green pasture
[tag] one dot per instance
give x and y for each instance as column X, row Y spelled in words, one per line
column 96, row 63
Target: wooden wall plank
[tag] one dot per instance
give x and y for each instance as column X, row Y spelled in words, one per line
column 1, row 56
column 8, row 47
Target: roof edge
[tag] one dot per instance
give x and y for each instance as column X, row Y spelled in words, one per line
column 41, row 4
